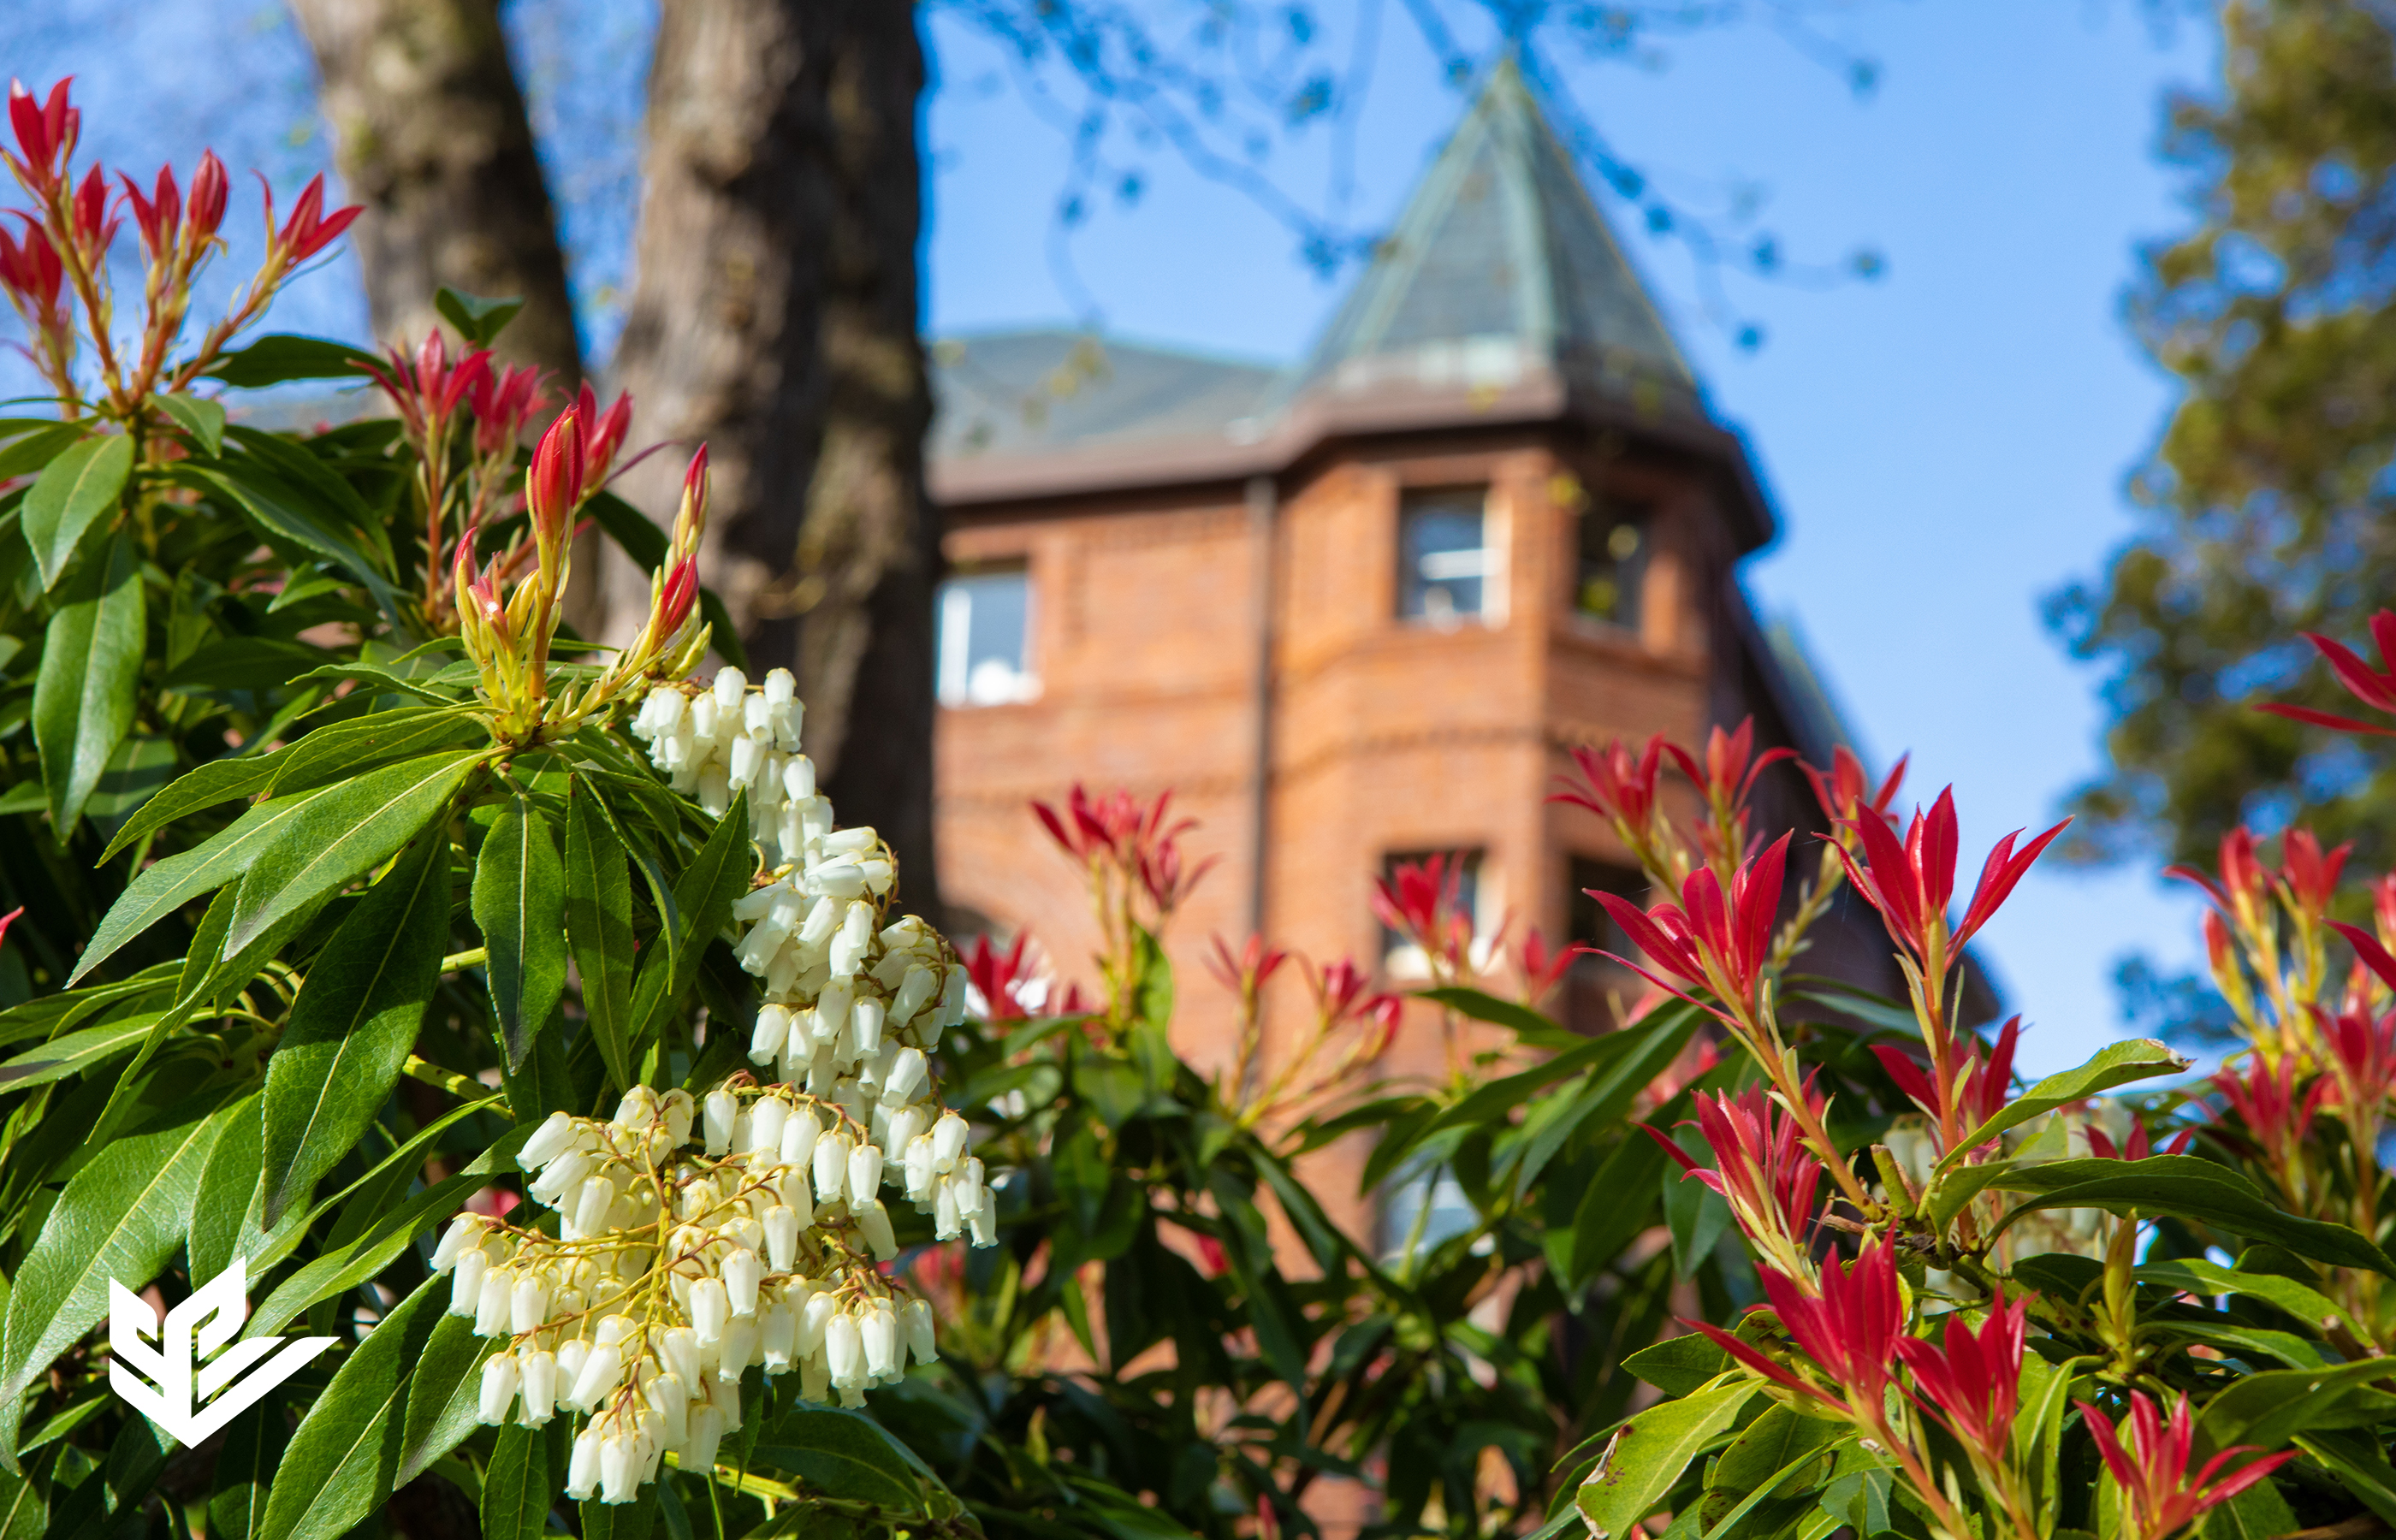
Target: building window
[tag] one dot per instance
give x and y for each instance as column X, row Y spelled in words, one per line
column 1597, row 991
column 985, row 630
column 1614, row 541
column 1460, row 875
column 1444, row 562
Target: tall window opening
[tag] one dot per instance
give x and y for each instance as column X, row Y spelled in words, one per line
column 1596, row 991
column 985, row 629
column 1614, row 541
column 1444, row 562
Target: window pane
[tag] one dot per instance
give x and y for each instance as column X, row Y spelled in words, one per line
column 1443, row 562
column 1461, row 868
column 1614, row 539
column 984, row 623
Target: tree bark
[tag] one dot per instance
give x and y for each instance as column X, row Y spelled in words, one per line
column 774, row 317
column 433, row 138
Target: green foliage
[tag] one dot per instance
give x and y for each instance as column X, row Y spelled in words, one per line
column 2268, row 497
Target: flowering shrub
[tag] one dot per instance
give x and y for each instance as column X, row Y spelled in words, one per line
column 1980, row 1312
column 350, row 896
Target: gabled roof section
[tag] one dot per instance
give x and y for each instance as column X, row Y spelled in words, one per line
column 1502, row 265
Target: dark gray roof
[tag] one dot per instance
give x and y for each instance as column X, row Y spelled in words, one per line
column 1034, row 392
column 1502, row 264
column 1502, row 269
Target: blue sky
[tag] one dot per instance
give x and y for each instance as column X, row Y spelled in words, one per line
column 1946, row 444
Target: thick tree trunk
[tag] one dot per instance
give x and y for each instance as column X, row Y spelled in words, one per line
column 432, row 137
column 774, row 317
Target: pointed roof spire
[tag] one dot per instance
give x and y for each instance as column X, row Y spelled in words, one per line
column 1502, row 266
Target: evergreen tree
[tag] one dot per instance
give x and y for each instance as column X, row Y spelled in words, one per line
column 2268, row 496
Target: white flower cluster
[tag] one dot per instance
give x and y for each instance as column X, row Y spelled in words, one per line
column 675, row 1268
column 698, row 1238
column 852, row 1006
column 724, row 739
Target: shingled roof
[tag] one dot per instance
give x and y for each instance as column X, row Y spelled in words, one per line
column 1500, row 264
column 1500, row 272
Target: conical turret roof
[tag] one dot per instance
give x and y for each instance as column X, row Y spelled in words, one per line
column 1501, row 266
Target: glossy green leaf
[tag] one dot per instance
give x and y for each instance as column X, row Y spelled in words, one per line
column 599, row 921
column 282, row 357
column 444, row 1395
column 340, row 835
column 2257, row 1513
column 2117, row 1064
column 91, row 660
column 75, row 1051
column 27, row 453
column 379, row 738
column 519, row 1487
column 73, row 490
column 345, row 1453
column 1679, row 1365
column 1646, row 1456
column 242, row 663
column 202, row 787
column 244, row 1470
column 353, row 1024
column 519, row 903
column 2359, row 1466
column 2190, row 1188
column 203, row 421
column 121, row 1217
column 227, row 1185
column 24, row 1505
column 843, row 1455
column 282, row 515
column 2198, row 1276
column 634, row 1520
column 2268, row 1409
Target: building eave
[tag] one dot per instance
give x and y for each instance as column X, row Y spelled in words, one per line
column 1320, row 421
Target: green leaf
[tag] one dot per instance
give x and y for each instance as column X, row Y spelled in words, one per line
column 346, row 748
column 519, row 902
column 202, row 787
column 30, row 453
column 2190, row 1188
column 1645, row 1458
column 1679, row 1365
column 2197, row 1276
column 346, row 1451
column 2119, row 1064
column 203, row 421
column 519, row 1486
column 353, row 1024
column 598, row 918
column 74, row 489
column 630, row 529
column 281, row 356
column 75, row 1051
column 340, row 833
column 24, row 1505
column 91, row 660
column 228, row 1185
column 121, row 1217
column 2268, row 1409
column 704, row 894
column 2356, row 1460
column 632, row 1520
column 1482, row 1006
column 1612, row 1089
column 347, row 1263
column 444, row 1395
column 282, row 514
column 477, row 320
column 844, row 1455
column 237, row 663
column 253, row 1447
column 2257, row 1513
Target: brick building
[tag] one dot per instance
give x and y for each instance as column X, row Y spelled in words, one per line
column 1359, row 609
